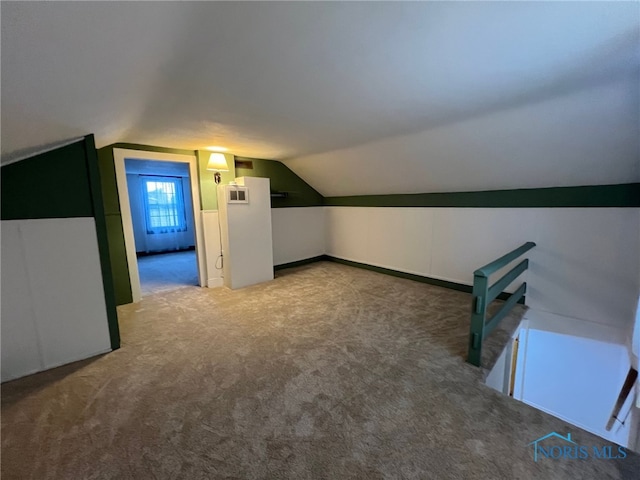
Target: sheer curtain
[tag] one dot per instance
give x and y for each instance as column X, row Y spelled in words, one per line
column 165, row 215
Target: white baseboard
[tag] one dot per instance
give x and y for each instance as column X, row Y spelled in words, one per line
column 215, row 282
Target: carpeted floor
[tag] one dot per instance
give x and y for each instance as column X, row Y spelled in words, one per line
column 164, row 272
column 327, row 372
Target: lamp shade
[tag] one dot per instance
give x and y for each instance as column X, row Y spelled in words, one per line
column 217, row 163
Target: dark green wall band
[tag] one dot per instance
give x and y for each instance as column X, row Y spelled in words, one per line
column 623, row 195
column 50, row 185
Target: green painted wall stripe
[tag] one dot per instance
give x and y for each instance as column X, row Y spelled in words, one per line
column 622, row 195
column 395, row 273
column 103, row 240
column 50, row 185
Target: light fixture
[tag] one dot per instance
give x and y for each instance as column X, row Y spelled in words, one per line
column 217, row 163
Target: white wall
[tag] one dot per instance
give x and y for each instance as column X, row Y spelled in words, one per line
column 298, row 233
column 45, row 263
column 500, row 374
column 575, row 370
column 585, row 264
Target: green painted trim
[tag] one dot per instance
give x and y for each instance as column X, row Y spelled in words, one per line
column 504, row 260
column 115, row 232
column 103, row 241
column 622, row 195
column 108, row 181
column 119, row 264
column 300, row 263
column 411, row 276
column 150, row 148
column 387, row 271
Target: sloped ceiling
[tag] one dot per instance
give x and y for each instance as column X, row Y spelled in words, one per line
column 356, row 97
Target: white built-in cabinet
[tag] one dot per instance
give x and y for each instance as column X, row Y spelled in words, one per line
column 246, row 232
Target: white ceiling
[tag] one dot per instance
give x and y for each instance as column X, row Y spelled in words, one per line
column 293, row 81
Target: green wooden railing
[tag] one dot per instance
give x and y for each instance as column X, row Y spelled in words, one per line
column 483, row 295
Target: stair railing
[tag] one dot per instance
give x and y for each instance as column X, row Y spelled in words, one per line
column 484, row 294
column 627, row 386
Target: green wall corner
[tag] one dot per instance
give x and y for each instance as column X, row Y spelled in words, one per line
column 283, row 179
column 103, row 240
column 113, row 221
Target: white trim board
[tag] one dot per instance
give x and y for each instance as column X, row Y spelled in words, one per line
column 119, row 156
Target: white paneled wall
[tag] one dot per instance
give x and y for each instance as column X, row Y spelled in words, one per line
column 574, row 370
column 53, row 306
column 585, row 265
column 21, row 352
column 298, row 233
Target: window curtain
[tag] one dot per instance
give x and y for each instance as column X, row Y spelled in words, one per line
column 164, row 205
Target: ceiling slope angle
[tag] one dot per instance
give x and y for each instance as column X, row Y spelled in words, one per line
column 403, row 96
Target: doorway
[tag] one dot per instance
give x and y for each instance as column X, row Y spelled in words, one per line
column 163, row 230
column 164, row 179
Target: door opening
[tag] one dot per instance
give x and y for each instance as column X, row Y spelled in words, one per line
column 160, row 206
column 163, row 224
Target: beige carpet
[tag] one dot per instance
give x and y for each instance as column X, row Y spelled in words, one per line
column 326, row 372
column 164, row 272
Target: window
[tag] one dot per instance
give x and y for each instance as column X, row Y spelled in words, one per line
column 164, row 204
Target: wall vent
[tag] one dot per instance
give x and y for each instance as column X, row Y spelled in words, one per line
column 246, row 164
column 236, row 194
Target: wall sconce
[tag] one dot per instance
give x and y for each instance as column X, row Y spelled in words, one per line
column 217, row 163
